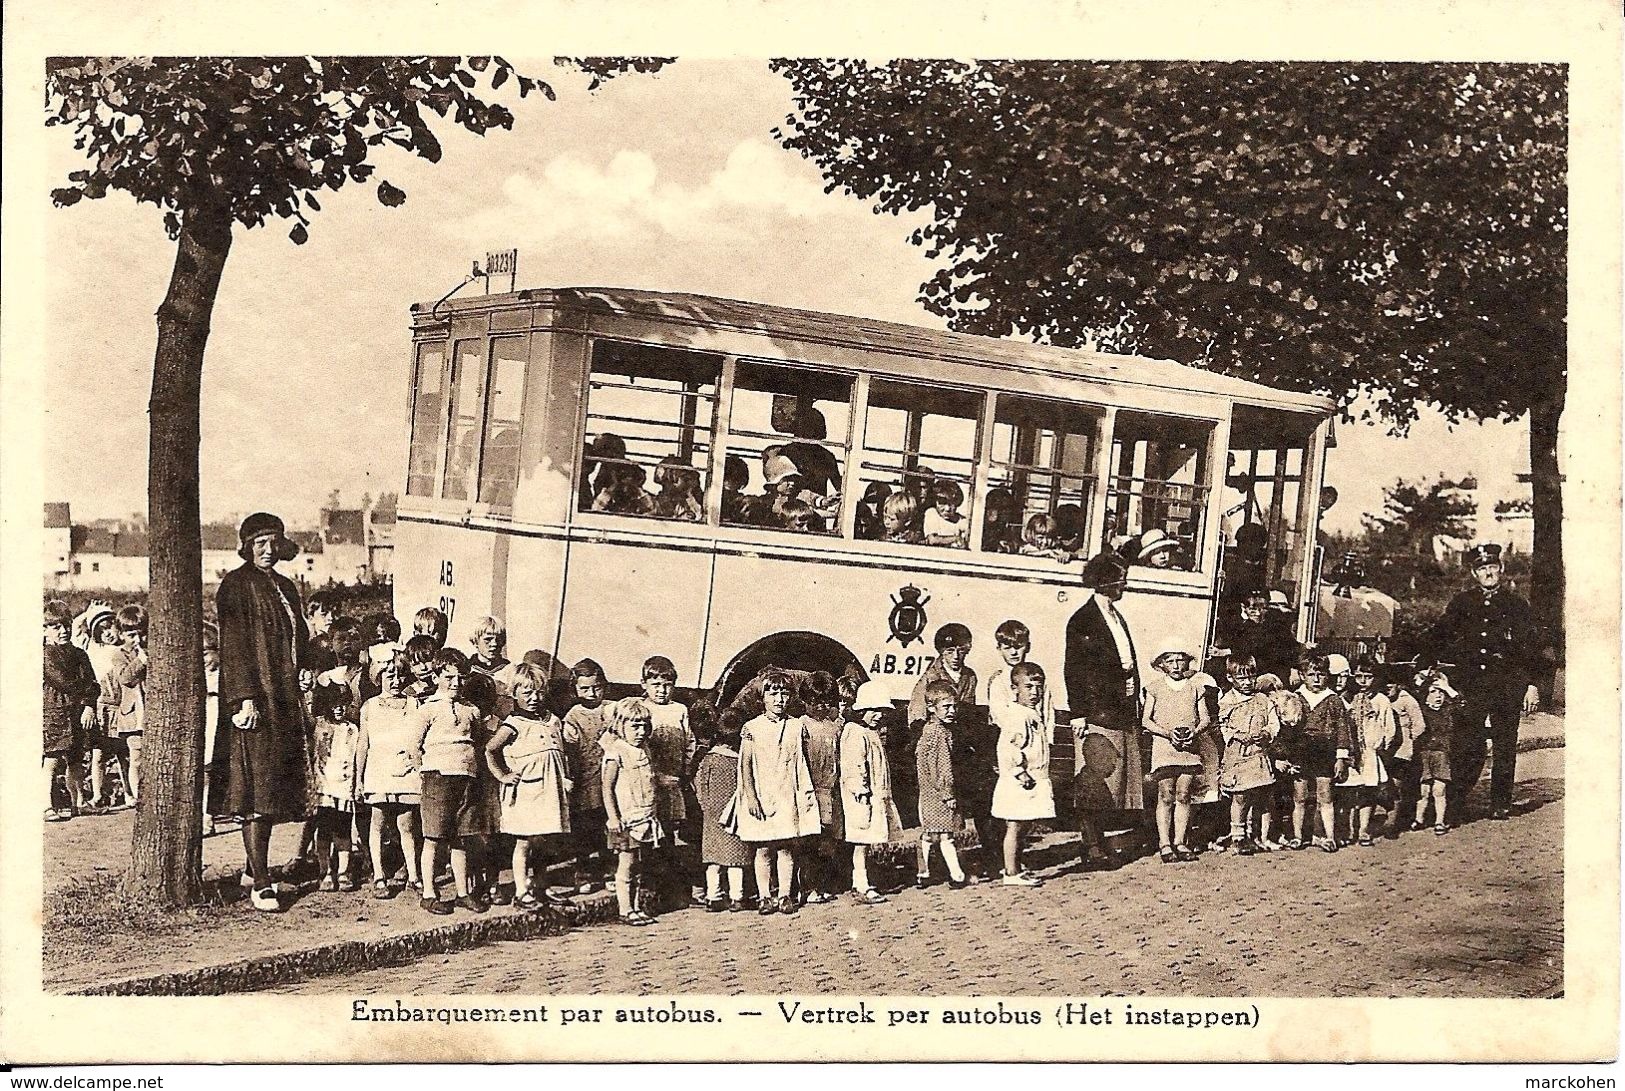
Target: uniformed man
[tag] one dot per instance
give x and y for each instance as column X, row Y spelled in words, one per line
column 1489, row 634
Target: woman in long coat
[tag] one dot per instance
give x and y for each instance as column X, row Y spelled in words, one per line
column 258, row 771
column 1103, row 695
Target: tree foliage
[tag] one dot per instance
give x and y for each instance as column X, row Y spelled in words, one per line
column 260, row 138
column 1414, row 513
column 1393, row 230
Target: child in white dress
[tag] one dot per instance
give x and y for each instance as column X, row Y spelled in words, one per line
column 387, row 757
column 1360, row 770
column 777, row 802
column 527, row 755
column 1023, row 793
column 1174, row 714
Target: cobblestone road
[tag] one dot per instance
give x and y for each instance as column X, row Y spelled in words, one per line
column 1475, row 913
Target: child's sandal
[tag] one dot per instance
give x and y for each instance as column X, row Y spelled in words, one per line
column 327, row 885
column 348, row 884
column 1366, row 841
column 1441, row 829
column 382, row 890
column 528, row 902
column 1328, row 845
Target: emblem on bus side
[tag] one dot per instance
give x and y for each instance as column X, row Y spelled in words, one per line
column 908, row 615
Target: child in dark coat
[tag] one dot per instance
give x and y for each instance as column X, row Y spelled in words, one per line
column 69, row 710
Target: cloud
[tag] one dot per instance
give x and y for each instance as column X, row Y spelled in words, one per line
column 625, row 197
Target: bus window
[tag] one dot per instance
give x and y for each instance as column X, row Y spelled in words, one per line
column 651, row 413
column 504, row 403
column 462, row 437
column 1159, row 488
column 1042, row 485
column 920, row 447
column 1264, row 505
column 428, row 418
column 788, row 436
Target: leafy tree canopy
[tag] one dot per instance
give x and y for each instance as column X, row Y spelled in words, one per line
column 1389, row 230
column 252, row 139
column 1416, row 512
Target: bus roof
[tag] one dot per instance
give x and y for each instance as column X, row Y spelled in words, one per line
column 712, row 312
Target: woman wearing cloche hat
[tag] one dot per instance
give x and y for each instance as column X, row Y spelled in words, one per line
column 258, row 771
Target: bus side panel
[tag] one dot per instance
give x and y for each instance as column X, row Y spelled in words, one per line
column 448, row 567
column 535, row 594
column 624, row 603
column 1159, row 622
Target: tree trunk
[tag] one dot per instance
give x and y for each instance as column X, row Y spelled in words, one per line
column 166, row 857
column 1546, row 481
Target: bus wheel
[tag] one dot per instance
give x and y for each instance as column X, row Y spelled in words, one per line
column 799, row 652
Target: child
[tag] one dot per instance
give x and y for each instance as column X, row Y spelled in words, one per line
column 387, row 763
column 431, row 623
column 680, row 494
column 129, row 716
column 868, row 812
column 1248, row 723
column 1290, row 710
column 528, row 755
column 715, row 785
column 823, row 728
column 1014, row 641
column 943, row 524
column 736, row 506
column 939, row 803
column 629, row 802
column 999, row 511
column 446, row 729
column 383, row 634
column 897, row 519
column 672, row 748
column 490, row 674
column 1432, row 751
column 211, row 706
column 953, row 643
column 421, row 651
column 1023, row 792
column 1324, row 731
column 621, row 490
column 1173, row 714
column 335, row 758
column 1038, row 539
column 1408, row 725
column 868, row 522
column 1359, row 766
column 584, row 727
column 777, row 804
column 96, row 633
column 69, row 710
column 846, row 692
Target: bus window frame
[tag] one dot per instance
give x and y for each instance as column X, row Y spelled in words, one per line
column 527, row 343
column 1212, row 496
column 1098, row 416
column 413, row 389
column 725, row 433
column 976, row 474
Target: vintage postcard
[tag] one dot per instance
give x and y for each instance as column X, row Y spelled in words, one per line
column 788, row 532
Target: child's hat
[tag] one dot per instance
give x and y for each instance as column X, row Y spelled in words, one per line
column 1171, row 649
column 94, row 619
column 871, row 695
column 776, row 468
column 1156, row 541
column 1337, row 664
column 1439, row 680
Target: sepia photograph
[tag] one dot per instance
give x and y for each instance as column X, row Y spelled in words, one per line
column 1058, row 541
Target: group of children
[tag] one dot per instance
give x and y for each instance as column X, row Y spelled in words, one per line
column 94, row 706
column 1349, row 739
column 421, row 756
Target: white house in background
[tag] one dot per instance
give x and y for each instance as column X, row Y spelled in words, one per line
column 58, row 543
column 1503, row 515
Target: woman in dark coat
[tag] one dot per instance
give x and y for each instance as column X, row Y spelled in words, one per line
column 1103, row 697
column 258, row 771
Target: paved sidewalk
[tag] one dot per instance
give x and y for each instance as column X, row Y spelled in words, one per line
column 228, row 947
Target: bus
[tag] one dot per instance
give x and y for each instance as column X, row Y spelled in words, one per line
column 622, row 473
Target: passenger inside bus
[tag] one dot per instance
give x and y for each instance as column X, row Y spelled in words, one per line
column 1159, row 549
column 869, row 527
column 1070, row 530
column 942, row 524
column 820, row 470
column 620, row 490
column 598, row 463
column 1039, row 539
column 680, row 496
column 899, row 517
column 1000, row 519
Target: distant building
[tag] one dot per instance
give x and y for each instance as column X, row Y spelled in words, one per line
column 354, row 545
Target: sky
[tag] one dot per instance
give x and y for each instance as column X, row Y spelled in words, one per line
column 667, row 182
